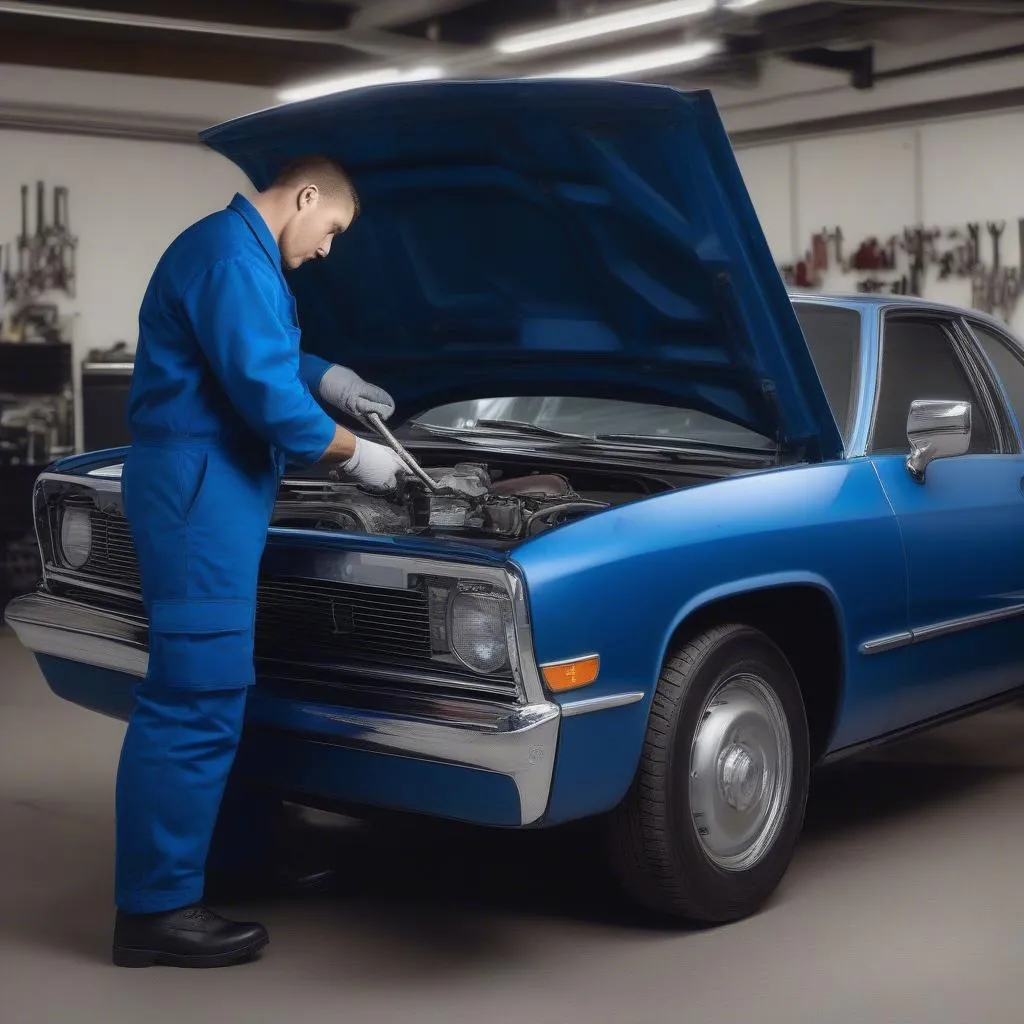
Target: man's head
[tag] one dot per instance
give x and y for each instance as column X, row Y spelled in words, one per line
column 311, row 200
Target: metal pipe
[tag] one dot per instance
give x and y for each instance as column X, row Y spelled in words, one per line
column 162, row 22
column 368, row 41
column 1010, row 8
column 384, row 13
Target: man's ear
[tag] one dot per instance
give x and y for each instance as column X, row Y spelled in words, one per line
column 308, row 196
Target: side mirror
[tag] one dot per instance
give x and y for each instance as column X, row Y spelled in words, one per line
column 936, row 430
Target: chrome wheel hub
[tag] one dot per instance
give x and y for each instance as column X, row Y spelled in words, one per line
column 741, row 772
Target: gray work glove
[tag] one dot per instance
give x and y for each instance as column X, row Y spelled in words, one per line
column 374, row 466
column 346, row 390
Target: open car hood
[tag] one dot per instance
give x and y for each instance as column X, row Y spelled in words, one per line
column 545, row 237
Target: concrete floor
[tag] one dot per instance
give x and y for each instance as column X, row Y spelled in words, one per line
column 905, row 904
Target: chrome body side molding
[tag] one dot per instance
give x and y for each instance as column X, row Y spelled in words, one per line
column 941, row 629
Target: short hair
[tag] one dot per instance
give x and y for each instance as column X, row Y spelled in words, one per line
column 327, row 174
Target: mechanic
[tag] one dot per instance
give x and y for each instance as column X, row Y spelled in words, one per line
column 221, row 399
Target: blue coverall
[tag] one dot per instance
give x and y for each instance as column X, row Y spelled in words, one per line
column 221, row 398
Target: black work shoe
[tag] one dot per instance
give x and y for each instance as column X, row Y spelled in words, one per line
column 190, row 937
column 280, row 883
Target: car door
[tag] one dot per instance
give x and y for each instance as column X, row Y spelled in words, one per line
column 962, row 527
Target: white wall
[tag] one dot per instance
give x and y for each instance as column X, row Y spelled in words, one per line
column 938, row 174
column 127, row 199
column 206, row 102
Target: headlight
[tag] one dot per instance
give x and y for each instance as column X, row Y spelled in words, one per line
column 76, row 536
column 481, row 631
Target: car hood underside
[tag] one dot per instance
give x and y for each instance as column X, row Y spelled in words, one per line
column 573, row 238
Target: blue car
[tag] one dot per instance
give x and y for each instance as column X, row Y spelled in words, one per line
column 685, row 536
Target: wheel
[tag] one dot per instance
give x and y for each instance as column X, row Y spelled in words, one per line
column 710, row 823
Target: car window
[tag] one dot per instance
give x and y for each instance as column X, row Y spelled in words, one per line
column 591, row 417
column 920, row 361
column 833, row 336
column 1007, row 360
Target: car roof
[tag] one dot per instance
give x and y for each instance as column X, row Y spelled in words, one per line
column 875, row 300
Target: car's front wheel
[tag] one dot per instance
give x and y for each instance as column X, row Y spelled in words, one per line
column 710, row 823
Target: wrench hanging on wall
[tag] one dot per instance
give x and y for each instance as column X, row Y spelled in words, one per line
column 46, row 260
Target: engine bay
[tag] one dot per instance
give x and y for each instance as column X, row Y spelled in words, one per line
column 472, row 499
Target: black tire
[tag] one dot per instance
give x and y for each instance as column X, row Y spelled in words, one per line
column 654, row 845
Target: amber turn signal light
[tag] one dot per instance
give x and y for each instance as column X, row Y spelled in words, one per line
column 570, row 675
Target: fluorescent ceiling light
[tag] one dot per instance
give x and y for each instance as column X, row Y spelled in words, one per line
column 604, row 24
column 360, row 80
column 634, row 63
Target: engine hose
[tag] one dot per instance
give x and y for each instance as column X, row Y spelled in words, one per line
column 579, row 505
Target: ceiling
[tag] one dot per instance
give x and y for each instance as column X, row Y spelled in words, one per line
column 294, row 42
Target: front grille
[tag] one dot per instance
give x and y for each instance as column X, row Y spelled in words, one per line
column 316, row 620
column 113, row 553
column 320, row 630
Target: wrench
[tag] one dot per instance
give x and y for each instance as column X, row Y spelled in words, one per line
column 395, row 445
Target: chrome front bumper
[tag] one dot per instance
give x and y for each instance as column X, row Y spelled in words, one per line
column 516, row 741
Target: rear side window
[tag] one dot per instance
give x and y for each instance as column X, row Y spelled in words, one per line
column 920, row 362
column 1006, row 358
column 833, row 336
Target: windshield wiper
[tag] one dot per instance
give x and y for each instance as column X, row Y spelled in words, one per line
column 521, row 427
column 481, row 429
column 683, row 444
column 674, row 442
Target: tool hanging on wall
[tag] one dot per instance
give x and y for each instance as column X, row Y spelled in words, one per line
column 46, row 259
column 995, row 230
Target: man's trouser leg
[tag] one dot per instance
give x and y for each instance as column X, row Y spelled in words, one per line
column 177, row 755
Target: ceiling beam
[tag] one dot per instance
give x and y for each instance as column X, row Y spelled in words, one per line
column 388, row 13
column 367, row 40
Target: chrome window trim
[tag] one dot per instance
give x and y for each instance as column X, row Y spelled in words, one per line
column 949, row 321
column 971, row 323
column 936, row 630
column 988, row 387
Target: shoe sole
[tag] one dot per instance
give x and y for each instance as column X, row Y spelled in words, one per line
column 124, row 956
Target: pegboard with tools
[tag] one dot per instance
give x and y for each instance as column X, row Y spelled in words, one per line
column 43, row 261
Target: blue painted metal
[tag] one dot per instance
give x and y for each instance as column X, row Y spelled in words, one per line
column 545, row 237
column 623, row 582
column 298, row 766
column 73, row 465
column 98, row 689
column 963, row 531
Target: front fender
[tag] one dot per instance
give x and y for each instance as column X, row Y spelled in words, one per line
column 621, row 584
column 751, row 585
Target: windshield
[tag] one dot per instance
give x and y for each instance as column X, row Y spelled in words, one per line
column 596, row 417
column 832, row 334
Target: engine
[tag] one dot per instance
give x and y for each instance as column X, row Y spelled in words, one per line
column 467, row 502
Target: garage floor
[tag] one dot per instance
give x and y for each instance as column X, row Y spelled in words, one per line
column 905, row 904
